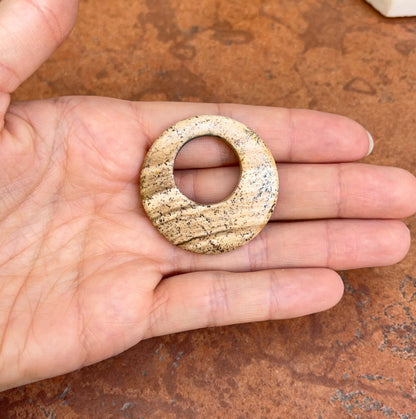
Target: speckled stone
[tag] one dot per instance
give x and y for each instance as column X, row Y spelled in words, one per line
column 219, row 227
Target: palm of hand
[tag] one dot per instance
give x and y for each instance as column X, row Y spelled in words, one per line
column 90, row 258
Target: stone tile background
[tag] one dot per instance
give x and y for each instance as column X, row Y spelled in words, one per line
column 358, row 359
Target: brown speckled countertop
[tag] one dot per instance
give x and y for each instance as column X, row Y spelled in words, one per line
column 358, row 359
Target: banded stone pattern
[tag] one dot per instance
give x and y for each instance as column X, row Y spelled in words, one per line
column 213, row 228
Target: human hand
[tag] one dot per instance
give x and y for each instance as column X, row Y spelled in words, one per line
column 83, row 273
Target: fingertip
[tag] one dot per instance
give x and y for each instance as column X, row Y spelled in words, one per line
column 408, row 194
column 307, row 291
column 394, row 243
column 69, row 11
column 358, row 141
column 400, row 188
column 327, row 137
column 338, row 288
column 331, row 288
column 377, row 192
column 29, row 34
column 403, row 241
column 59, row 14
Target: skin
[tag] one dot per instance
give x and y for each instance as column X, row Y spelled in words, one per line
column 84, row 275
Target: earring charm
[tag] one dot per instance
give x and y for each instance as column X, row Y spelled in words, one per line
column 213, row 228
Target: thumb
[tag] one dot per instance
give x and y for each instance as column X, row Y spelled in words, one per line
column 30, row 30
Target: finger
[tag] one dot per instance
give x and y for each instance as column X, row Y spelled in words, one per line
column 335, row 244
column 291, row 135
column 30, row 31
column 312, row 191
column 206, row 299
column 215, row 152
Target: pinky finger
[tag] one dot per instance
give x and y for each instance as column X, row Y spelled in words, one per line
column 206, row 299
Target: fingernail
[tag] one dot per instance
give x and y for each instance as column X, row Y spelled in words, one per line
column 370, row 144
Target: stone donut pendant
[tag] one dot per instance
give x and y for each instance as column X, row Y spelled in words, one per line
column 213, row 228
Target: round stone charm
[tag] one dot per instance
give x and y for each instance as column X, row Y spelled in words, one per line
column 213, row 228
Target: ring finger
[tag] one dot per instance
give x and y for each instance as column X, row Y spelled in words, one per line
column 317, row 191
column 335, row 244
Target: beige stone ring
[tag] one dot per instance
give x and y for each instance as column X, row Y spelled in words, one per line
column 213, row 228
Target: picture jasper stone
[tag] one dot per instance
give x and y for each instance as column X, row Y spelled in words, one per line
column 213, row 228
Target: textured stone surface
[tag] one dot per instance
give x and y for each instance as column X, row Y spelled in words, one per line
column 218, row 227
column 358, row 359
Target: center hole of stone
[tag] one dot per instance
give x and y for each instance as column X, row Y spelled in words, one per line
column 207, row 170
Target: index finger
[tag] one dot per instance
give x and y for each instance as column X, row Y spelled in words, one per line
column 292, row 135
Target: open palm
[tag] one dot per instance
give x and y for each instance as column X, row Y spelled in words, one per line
column 83, row 273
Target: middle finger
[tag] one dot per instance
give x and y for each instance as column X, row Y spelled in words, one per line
column 316, row 191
